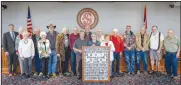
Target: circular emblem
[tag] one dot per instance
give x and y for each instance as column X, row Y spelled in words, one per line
column 87, row 18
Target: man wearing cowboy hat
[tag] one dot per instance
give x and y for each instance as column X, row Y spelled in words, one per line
column 51, row 36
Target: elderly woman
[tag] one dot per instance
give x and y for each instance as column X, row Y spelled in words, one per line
column 44, row 53
column 93, row 42
column 18, row 38
column 63, row 51
column 26, row 51
column 110, row 44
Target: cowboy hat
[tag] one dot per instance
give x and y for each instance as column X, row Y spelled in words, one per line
column 51, row 25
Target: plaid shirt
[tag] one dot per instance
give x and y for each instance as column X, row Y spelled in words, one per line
column 129, row 41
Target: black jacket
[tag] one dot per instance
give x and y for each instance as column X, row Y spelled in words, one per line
column 35, row 43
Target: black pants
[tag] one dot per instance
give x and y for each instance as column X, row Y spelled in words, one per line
column 65, row 64
column 45, row 65
column 12, row 61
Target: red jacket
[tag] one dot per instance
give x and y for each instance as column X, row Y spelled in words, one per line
column 118, row 43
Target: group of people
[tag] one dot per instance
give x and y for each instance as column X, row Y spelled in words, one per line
column 51, row 51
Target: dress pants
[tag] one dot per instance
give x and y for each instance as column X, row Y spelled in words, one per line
column 12, row 61
column 78, row 64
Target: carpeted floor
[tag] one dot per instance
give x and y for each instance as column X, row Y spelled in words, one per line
column 140, row 79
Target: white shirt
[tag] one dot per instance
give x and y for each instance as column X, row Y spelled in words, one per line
column 26, row 49
column 154, row 40
column 111, row 50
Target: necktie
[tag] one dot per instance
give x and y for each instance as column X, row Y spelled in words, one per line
column 12, row 34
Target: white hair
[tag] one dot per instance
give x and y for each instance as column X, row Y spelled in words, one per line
column 115, row 30
column 65, row 28
column 43, row 33
column 20, row 28
column 25, row 33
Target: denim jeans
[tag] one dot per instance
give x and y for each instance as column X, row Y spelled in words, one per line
column 130, row 60
column 73, row 60
column 171, row 62
column 52, row 62
column 141, row 56
column 117, row 58
column 37, row 63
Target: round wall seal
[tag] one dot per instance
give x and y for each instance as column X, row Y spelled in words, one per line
column 87, row 18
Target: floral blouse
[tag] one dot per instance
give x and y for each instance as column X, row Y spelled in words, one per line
column 43, row 48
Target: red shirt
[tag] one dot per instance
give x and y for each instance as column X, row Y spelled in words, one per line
column 72, row 39
column 21, row 36
column 118, row 43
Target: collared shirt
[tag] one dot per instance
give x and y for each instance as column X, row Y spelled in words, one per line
column 52, row 39
column 72, row 39
column 171, row 44
column 12, row 35
column 154, row 40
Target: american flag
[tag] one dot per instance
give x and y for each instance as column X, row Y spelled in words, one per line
column 145, row 18
column 29, row 24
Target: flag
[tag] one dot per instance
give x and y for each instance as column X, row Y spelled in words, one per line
column 29, row 24
column 145, row 18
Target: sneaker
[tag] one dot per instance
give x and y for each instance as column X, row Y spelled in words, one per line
column 138, row 72
column 129, row 73
column 174, row 77
column 40, row 74
column 54, row 75
column 67, row 74
column 35, row 74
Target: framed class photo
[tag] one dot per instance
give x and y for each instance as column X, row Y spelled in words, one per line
column 95, row 64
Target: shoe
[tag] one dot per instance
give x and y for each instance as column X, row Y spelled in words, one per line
column 14, row 74
column 61, row 75
column 79, row 77
column 54, row 75
column 47, row 76
column 67, row 74
column 35, row 74
column 111, row 77
column 138, row 72
column 151, row 72
column 28, row 76
column 174, row 77
column 72, row 74
column 132, row 73
column 145, row 73
column 129, row 73
column 10, row 75
column 40, row 74
column 23, row 74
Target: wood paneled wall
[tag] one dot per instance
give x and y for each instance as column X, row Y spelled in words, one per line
column 122, row 65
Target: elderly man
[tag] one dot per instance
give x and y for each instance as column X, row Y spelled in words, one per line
column 9, row 49
column 88, row 34
column 37, row 61
column 172, row 48
column 119, row 48
column 51, row 36
column 63, row 50
column 100, row 35
column 142, row 41
column 78, row 50
column 129, row 51
column 72, row 37
column 156, row 43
